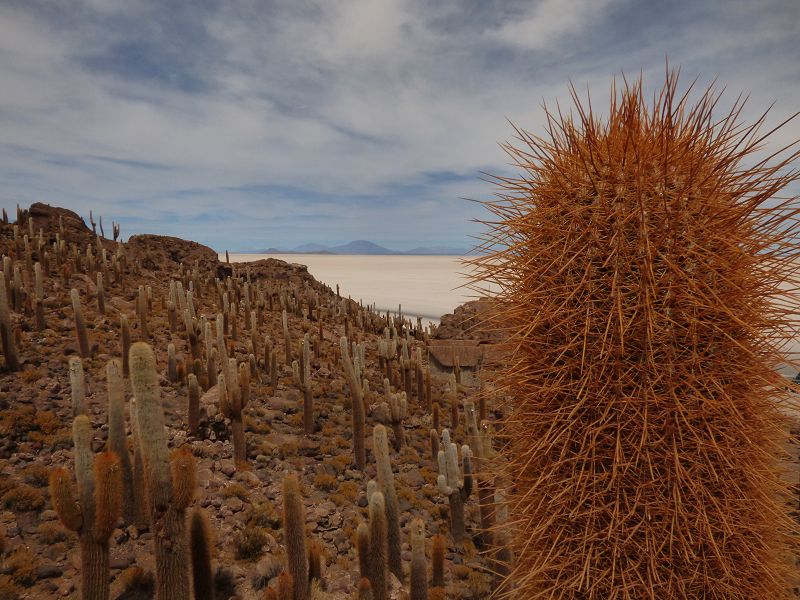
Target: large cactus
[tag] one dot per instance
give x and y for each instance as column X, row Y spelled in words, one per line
column 170, row 484
column 647, row 283
column 93, row 512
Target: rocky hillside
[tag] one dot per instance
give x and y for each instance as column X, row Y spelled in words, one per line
column 238, row 431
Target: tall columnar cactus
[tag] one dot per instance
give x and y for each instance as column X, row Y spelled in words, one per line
column 398, row 409
column 118, row 440
column 93, row 512
column 233, row 397
column 362, row 546
column 194, row 404
column 438, row 547
column 380, row 445
column 646, row 274
column 378, row 546
column 302, row 379
column 77, row 384
column 482, row 477
column 142, row 311
column 101, row 294
column 126, row 344
column 80, row 324
column 294, row 533
column 200, row 544
column 287, row 338
column 455, row 482
column 169, row 484
column 452, row 389
column 172, row 364
column 419, row 564
column 357, row 397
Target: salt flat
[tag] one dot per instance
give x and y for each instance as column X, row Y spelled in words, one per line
column 426, row 286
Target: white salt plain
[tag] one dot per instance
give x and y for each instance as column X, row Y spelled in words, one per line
column 425, row 286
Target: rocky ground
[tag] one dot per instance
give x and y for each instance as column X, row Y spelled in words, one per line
column 41, row 559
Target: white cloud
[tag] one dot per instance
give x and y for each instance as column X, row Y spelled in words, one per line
column 341, row 100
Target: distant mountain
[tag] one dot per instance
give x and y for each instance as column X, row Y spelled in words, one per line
column 361, row 247
column 365, row 247
column 438, row 250
column 311, row 248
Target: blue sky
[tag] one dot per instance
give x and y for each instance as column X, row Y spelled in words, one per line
column 245, row 124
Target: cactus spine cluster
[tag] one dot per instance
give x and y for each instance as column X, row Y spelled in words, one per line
column 643, row 262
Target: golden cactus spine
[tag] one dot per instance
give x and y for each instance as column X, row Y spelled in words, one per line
column 642, row 260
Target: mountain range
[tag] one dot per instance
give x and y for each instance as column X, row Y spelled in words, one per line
column 364, row 247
